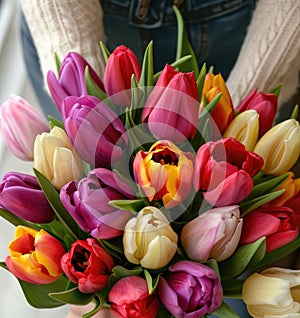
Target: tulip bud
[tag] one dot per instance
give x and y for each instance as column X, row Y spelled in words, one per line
column 120, row 67
column 87, row 118
column 244, row 128
column 136, row 301
column 88, row 265
column 149, row 239
column 164, row 173
column 223, row 113
column 266, row 107
column 19, row 125
column 213, row 234
column 280, row 147
column 22, row 195
column 273, row 293
column 71, row 79
column 190, row 290
column 35, row 256
column 55, row 158
column 164, row 111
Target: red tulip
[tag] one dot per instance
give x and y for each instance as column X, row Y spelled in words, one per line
column 224, row 171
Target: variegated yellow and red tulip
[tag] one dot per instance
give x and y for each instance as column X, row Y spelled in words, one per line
column 223, row 113
column 56, row 159
column 35, row 256
column 164, row 173
column 280, row 147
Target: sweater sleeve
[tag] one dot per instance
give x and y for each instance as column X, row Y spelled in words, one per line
column 61, row 26
column 270, row 54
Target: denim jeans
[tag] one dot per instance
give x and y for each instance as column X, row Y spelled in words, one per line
column 216, row 29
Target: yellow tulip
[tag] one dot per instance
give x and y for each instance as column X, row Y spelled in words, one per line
column 244, row 128
column 280, row 147
column 274, row 293
column 149, row 240
column 55, row 158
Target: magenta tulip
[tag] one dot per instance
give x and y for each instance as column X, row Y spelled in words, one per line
column 98, row 135
column 120, row 66
column 224, row 171
column 87, row 201
column 130, row 297
column 71, row 78
column 266, row 107
column 172, row 108
column 20, row 123
column 191, row 290
column 88, row 265
column 21, row 195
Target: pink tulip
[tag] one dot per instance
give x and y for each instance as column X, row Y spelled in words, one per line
column 130, row 297
column 35, row 256
column 20, row 123
column 172, row 108
column 120, row 67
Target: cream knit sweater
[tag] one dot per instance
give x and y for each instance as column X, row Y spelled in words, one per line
column 270, row 54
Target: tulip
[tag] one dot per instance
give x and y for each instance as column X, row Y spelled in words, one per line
column 19, row 125
column 164, row 173
column 88, row 265
column 135, row 302
column 244, row 128
column 213, row 234
column 71, row 78
column 223, row 113
column 55, row 158
column 35, row 256
column 266, row 107
column 273, row 293
column 87, row 201
column 224, row 171
column 277, row 224
column 21, row 195
column 172, row 108
column 191, row 290
column 280, row 147
column 88, row 119
column 120, row 66
column 149, row 239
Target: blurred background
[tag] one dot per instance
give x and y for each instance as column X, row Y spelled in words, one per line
column 13, row 80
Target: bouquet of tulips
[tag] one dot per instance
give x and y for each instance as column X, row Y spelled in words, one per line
column 153, row 194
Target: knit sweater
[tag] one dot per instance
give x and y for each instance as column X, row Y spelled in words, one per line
column 270, row 54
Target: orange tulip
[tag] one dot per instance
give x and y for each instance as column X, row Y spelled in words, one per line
column 35, row 256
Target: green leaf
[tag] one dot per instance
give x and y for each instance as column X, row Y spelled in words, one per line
column 184, row 47
column 233, row 288
column 55, row 122
column 201, row 79
column 115, row 250
column 276, row 90
column 129, row 205
column 98, row 306
column 57, row 62
column 62, row 214
column 210, row 106
column 72, row 296
column 151, row 283
column 92, row 88
column 225, row 311
column 279, row 253
column 14, row 220
column 146, row 79
column 248, row 206
column 105, row 51
column 295, row 112
column 244, row 258
column 212, row 263
column 119, row 272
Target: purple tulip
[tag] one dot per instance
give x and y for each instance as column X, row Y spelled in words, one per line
column 21, row 195
column 98, row 135
column 172, row 108
column 88, row 203
column 20, row 123
column 191, row 290
column 71, row 79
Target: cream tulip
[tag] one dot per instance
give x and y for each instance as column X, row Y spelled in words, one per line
column 149, row 239
column 274, row 293
column 244, row 128
column 55, row 158
column 280, row 147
